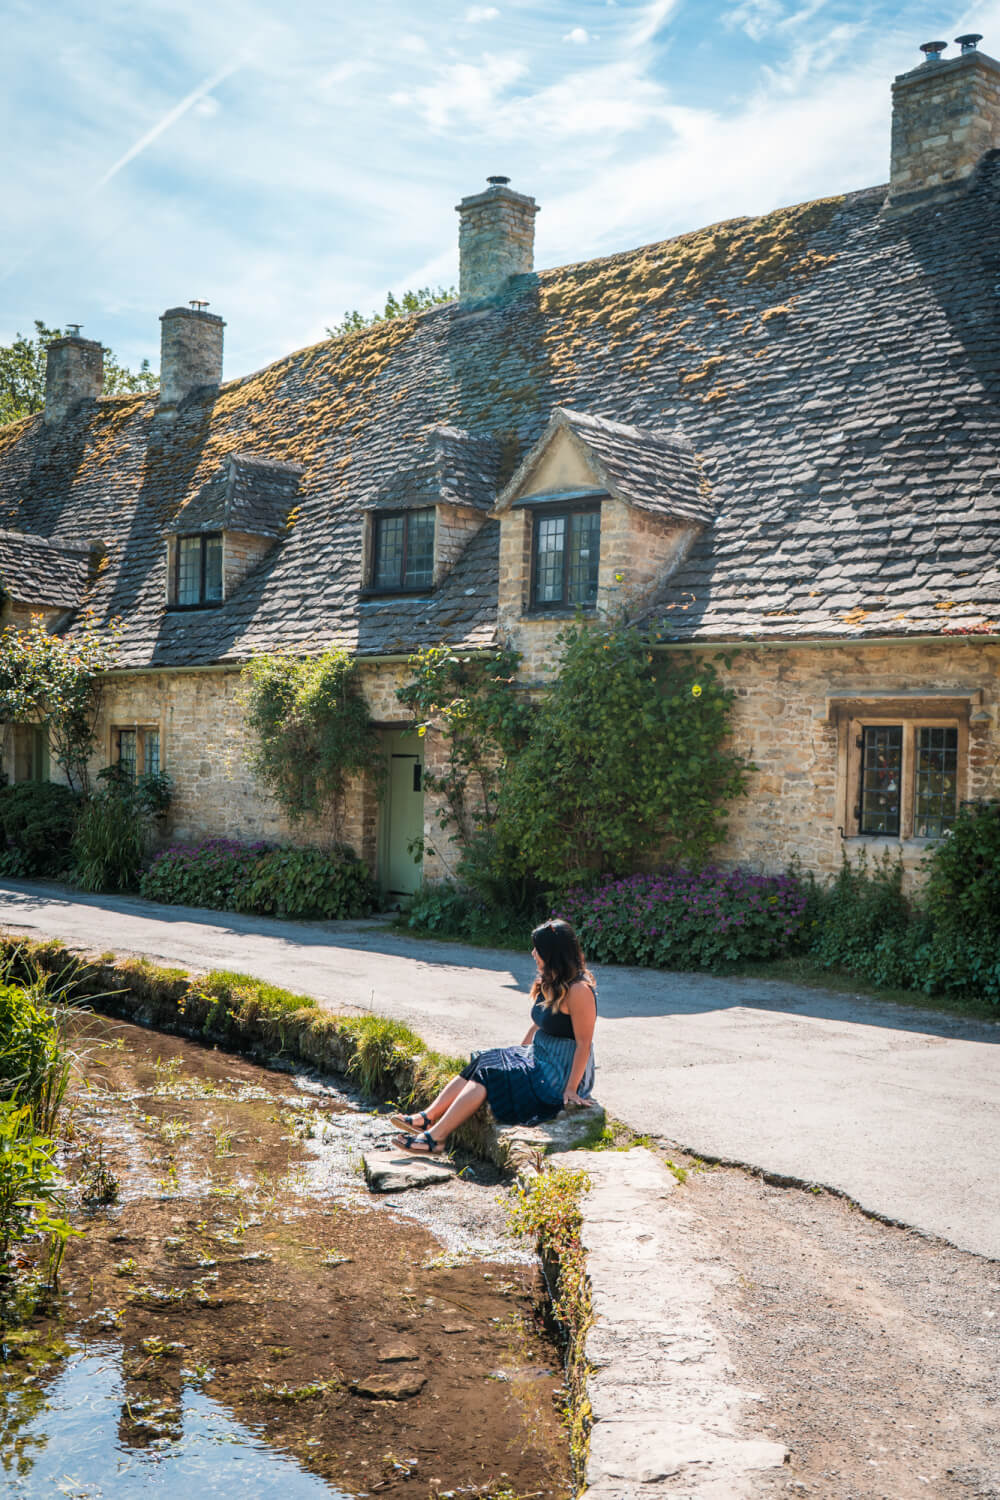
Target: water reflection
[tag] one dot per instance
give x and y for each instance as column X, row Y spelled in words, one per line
column 88, row 1436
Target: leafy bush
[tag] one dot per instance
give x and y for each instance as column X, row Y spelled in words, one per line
column 34, row 1067
column 265, row 881
column 686, row 919
column 627, row 755
column 114, row 829
column 29, row 1178
column 963, row 889
column 448, row 911
column 37, row 819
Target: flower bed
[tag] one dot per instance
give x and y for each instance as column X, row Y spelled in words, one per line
column 687, row 919
column 262, row 879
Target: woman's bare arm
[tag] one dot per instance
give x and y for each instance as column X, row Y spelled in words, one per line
column 528, row 1039
column 582, row 1009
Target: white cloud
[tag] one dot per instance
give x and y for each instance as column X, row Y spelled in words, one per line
column 651, row 22
column 170, row 118
column 463, row 91
column 477, row 13
column 754, row 17
column 580, row 35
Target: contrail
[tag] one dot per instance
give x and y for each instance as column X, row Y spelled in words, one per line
column 170, row 118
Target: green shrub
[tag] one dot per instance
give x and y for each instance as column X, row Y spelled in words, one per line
column 37, row 819
column 110, row 842
column 863, row 907
column 34, row 1067
column 327, row 884
column 628, row 755
column 447, row 911
column 29, row 1178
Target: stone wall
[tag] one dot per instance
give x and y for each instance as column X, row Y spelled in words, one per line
column 787, row 720
column 945, row 116
column 799, row 794
column 240, row 553
column 190, row 353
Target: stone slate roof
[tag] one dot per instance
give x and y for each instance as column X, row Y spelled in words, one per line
column 448, row 465
column 655, row 471
column 248, row 494
column 36, row 570
column 835, row 370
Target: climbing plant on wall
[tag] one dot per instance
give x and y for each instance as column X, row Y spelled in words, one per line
column 473, row 702
column 627, row 755
column 54, row 682
column 310, row 731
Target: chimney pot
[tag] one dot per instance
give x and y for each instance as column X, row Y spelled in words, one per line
column 969, row 41
column 932, row 51
column 190, row 353
column 496, row 239
column 74, row 372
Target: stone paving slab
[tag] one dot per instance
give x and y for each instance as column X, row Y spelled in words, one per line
column 668, row 1418
column 388, row 1170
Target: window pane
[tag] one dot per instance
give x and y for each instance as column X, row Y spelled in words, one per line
column 189, row 570
column 550, row 547
column 881, row 779
column 388, row 571
column 584, row 556
column 126, row 752
column 935, row 782
column 151, row 752
column 213, row 569
column 419, row 549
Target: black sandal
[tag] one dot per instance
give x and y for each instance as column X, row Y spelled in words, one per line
column 411, row 1123
column 422, row 1144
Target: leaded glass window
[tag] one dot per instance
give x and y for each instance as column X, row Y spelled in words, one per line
column 881, row 779
column 127, row 755
column 198, row 579
column 935, row 788
column 151, row 752
column 404, row 551
column 566, row 558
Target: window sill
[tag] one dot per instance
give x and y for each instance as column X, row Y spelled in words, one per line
column 558, row 611
column 883, row 843
column 370, row 596
column 186, row 609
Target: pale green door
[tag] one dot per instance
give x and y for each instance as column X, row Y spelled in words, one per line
column 402, row 813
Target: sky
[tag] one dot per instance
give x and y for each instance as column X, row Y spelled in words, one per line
column 289, row 161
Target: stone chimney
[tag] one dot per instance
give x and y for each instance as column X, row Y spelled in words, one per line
column 496, row 239
column 945, row 115
column 74, row 372
column 190, row 352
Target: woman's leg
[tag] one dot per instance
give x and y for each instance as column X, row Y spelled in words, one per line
column 448, row 1094
column 463, row 1103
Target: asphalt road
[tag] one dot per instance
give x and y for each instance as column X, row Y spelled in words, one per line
column 898, row 1108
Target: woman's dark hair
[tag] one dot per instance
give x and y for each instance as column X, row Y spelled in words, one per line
column 562, row 958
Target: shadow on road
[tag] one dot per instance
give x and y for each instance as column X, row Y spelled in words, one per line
column 624, row 994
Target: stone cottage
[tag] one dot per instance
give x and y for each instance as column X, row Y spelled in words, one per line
column 779, row 433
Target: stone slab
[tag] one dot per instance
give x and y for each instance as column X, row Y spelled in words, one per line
column 388, row 1170
column 668, row 1417
column 524, row 1145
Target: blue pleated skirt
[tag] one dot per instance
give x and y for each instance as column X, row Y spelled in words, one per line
column 526, row 1084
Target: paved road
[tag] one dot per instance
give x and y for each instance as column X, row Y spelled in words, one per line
column 899, row 1108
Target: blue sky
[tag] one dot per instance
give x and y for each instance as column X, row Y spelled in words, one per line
column 288, row 161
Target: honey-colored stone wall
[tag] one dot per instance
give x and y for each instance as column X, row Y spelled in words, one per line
column 945, row 116
column 240, row 553
column 798, row 794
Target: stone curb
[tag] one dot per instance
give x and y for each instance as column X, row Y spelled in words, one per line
column 515, row 1148
column 667, row 1418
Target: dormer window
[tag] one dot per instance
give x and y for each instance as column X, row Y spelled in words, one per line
column 198, row 571
column 403, row 551
column 566, row 554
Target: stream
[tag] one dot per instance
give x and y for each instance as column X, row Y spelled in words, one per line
column 246, row 1318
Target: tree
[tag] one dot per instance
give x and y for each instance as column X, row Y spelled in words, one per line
column 22, row 374
column 410, row 302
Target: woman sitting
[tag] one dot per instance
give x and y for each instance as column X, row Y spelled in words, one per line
column 552, row 1069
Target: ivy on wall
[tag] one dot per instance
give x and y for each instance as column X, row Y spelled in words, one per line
column 625, row 754
column 54, row 682
column 310, row 731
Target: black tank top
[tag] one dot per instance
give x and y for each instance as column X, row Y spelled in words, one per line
column 555, row 1022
